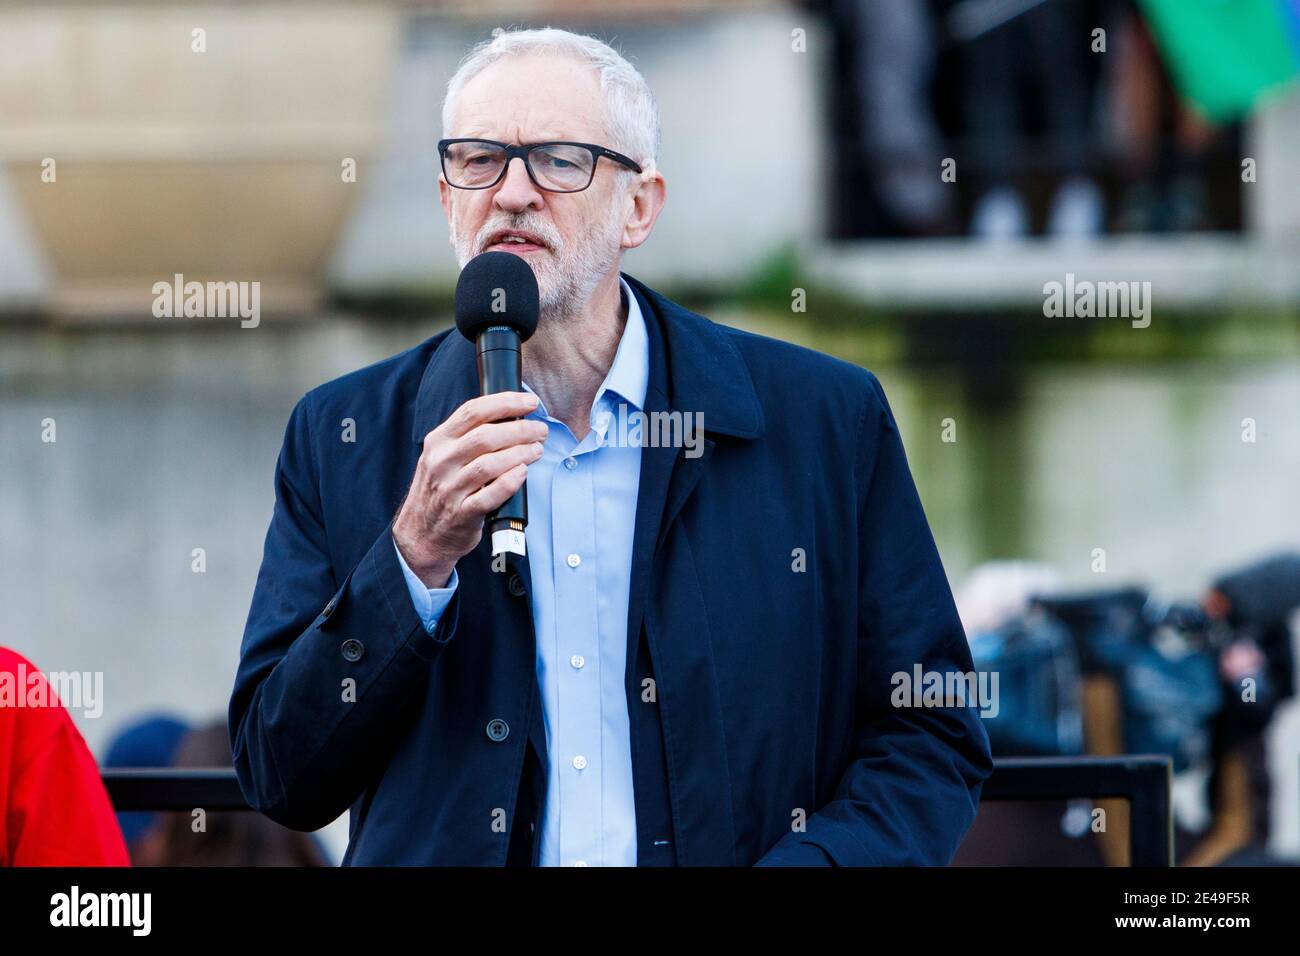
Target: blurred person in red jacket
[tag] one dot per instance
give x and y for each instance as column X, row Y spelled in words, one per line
column 54, row 810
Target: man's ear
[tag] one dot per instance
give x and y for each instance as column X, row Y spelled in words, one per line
column 444, row 196
column 647, row 202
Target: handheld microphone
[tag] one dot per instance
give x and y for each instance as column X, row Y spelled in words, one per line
column 497, row 308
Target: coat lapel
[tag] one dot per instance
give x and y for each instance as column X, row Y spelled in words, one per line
column 451, row 379
column 694, row 369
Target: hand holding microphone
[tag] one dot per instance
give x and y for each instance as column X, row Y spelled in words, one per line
column 473, row 465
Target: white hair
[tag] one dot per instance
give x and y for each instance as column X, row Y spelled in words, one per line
column 631, row 116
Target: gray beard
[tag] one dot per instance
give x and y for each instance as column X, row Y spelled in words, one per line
column 566, row 287
column 561, row 304
column 581, row 273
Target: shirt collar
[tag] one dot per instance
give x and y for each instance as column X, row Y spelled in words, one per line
column 631, row 367
column 693, row 364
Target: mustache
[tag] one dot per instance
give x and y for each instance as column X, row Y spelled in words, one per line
column 534, row 224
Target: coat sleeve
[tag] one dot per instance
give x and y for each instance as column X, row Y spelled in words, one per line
column 912, row 788
column 330, row 657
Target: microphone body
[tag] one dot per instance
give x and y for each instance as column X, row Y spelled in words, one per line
column 497, row 308
column 500, row 369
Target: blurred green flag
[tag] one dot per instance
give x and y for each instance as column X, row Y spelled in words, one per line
column 1223, row 54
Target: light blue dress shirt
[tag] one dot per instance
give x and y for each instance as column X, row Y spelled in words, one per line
column 581, row 517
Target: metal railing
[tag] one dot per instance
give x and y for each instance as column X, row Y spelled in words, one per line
column 1142, row 781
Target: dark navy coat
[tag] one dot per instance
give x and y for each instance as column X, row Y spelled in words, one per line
column 779, row 580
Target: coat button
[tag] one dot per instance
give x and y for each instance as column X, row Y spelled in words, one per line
column 497, row 729
column 329, row 608
column 352, row 650
column 516, row 585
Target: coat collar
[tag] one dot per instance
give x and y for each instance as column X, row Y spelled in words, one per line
column 694, row 367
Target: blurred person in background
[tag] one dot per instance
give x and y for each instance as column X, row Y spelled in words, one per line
column 1115, row 672
column 1200, row 683
column 1163, row 144
column 1043, row 47
column 894, row 67
column 147, row 742
column 226, row 838
column 1188, row 72
column 1038, row 714
column 1251, row 609
column 54, row 810
column 1150, row 687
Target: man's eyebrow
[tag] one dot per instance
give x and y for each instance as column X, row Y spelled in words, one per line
column 544, row 137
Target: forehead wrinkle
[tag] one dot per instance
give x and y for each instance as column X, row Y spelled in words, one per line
column 537, row 107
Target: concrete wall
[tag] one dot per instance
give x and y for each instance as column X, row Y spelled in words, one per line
column 741, row 151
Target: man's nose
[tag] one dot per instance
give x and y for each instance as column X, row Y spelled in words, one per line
column 516, row 191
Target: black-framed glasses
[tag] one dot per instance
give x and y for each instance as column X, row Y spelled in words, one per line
column 559, row 167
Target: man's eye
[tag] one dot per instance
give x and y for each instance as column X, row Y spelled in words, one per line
column 552, row 161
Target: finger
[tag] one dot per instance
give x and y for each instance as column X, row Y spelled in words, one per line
column 494, row 495
column 488, row 468
column 494, row 436
column 488, row 408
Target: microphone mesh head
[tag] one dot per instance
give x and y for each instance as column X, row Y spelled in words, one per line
column 496, row 288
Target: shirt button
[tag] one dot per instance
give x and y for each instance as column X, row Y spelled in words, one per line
column 570, row 463
column 497, row 729
column 573, row 560
column 579, row 762
column 577, row 660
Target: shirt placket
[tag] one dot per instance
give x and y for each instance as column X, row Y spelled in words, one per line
column 578, row 665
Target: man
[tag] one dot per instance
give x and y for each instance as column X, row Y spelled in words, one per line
column 693, row 664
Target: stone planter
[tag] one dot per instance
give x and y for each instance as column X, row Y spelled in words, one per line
column 223, row 165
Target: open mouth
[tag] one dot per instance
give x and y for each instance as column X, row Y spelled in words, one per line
column 514, row 240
